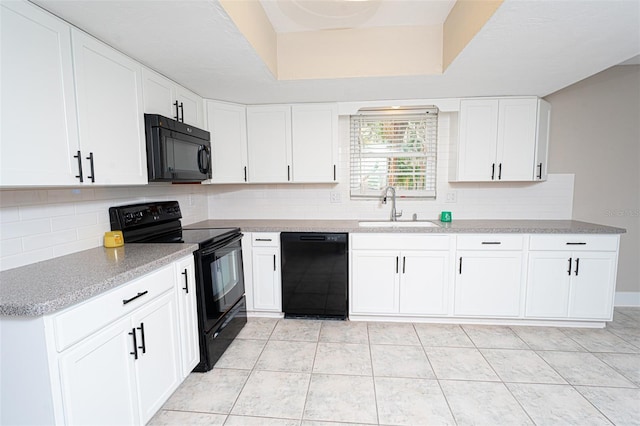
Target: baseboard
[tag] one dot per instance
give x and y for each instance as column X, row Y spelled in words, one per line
column 627, row 298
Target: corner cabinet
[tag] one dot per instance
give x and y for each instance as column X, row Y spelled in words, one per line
column 110, row 113
column 489, row 275
column 572, row 277
column 502, row 139
column 405, row 275
column 227, row 124
column 167, row 98
column 113, row 359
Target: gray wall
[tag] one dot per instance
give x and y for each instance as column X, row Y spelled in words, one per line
column 595, row 134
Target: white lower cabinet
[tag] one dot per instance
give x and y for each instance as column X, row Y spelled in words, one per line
column 188, row 310
column 113, row 359
column 408, row 282
column 266, row 272
column 574, row 281
column 489, row 275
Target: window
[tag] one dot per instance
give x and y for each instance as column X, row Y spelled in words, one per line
column 394, row 148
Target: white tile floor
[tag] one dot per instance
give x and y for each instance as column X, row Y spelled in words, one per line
column 308, row 373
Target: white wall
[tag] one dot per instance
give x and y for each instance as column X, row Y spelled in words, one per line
column 595, row 133
column 546, row 200
column 37, row 225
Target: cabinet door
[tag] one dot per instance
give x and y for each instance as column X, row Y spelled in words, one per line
column 110, row 112
column 98, row 380
column 191, row 107
column 158, row 363
column 488, row 283
column 424, row 282
column 267, row 287
column 516, row 139
column 548, row 284
column 314, row 139
column 269, row 143
column 593, row 285
column 159, row 94
column 187, row 304
column 477, row 139
column 542, row 140
column 39, row 131
column 374, row 281
column 227, row 124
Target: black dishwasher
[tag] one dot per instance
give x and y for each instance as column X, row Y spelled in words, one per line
column 315, row 270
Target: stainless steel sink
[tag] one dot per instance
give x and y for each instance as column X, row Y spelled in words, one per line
column 398, row 224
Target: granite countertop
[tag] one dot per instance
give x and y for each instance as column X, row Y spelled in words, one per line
column 45, row 287
column 455, row 227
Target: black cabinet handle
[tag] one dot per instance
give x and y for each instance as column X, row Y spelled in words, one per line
column 334, row 172
column 500, row 171
column 274, row 263
column 125, row 301
column 576, row 244
column 92, row 176
column 79, row 157
column 144, row 346
column 186, row 281
column 577, row 265
column 404, row 263
column 288, row 173
column 177, row 116
column 135, row 344
column 539, row 171
column 245, row 173
column 491, row 242
column 493, row 171
column 263, row 239
column 182, row 111
column 460, row 270
column 569, row 270
column 397, row 263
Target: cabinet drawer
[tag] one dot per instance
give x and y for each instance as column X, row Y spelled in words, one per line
column 490, row 242
column 399, row 242
column 265, row 239
column 79, row 321
column 574, row 242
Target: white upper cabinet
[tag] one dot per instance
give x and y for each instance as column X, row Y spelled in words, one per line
column 169, row 99
column 315, row 138
column 269, row 143
column 110, row 113
column 502, row 140
column 39, row 135
column 228, row 126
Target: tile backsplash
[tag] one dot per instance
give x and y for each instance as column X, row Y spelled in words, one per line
column 41, row 224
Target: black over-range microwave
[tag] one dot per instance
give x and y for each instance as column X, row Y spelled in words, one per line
column 176, row 152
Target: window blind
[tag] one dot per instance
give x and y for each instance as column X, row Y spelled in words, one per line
column 394, row 148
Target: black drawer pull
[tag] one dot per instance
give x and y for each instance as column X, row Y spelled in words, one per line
column 263, row 239
column 125, row 301
column 576, row 244
column 144, row 346
column 135, row 344
column 186, row 282
column 494, row 243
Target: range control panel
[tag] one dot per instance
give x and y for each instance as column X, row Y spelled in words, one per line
column 135, row 215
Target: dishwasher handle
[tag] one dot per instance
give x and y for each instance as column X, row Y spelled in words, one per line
column 313, row 238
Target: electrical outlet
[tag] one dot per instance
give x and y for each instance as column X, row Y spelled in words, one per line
column 451, row 197
column 335, row 197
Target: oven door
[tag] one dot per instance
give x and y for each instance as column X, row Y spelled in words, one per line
column 221, row 279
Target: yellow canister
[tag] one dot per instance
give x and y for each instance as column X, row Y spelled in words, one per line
column 113, row 239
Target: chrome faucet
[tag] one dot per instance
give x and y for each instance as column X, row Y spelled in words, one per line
column 394, row 216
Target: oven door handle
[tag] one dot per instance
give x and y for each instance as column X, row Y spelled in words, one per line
column 209, row 250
